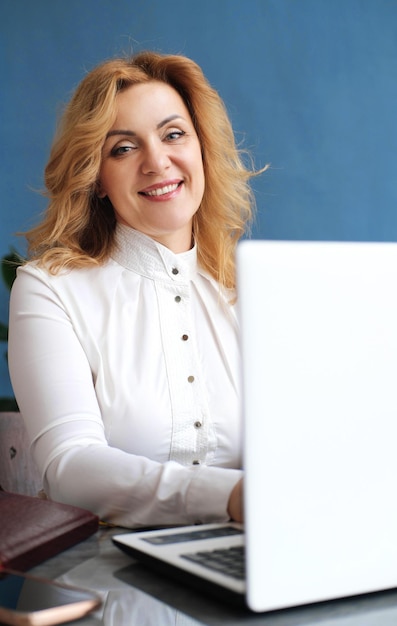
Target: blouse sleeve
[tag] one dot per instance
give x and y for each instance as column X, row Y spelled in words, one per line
column 55, row 392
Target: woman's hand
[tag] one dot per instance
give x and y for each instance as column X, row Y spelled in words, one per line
column 235, row 504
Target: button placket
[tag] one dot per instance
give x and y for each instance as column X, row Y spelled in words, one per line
column 191, row 443
column 182, row 368
column 184, row 336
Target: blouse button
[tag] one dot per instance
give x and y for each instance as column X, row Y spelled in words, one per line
column 190, row 379
column 175, row 271
column 178, row 298
column 197, row 424
column 185, row 337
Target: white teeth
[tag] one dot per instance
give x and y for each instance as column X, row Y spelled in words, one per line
column 162, row 190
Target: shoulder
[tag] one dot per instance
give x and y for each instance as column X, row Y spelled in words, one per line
column 33, row 279
column 32, row 270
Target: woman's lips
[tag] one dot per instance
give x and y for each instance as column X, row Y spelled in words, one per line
column 162, row 191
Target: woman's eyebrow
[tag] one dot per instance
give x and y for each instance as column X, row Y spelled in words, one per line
column 112, row 133
column 131, row 133
column 170, row 118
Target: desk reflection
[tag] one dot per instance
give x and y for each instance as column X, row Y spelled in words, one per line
column 123, row 605
column 132, row 595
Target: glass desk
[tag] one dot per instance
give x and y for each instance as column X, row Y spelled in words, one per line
column 135, row 596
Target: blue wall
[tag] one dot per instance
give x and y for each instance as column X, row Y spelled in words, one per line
column 311, row 87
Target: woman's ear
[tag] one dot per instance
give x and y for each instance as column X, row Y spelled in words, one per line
column 100, row 191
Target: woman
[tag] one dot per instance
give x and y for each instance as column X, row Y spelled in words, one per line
column 123, row 342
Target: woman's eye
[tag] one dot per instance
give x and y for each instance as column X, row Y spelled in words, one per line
column 120, row 150
column 175, row 134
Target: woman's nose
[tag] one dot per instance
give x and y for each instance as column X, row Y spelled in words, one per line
column 154, row 158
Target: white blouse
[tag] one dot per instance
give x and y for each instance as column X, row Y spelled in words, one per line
column 128, row 378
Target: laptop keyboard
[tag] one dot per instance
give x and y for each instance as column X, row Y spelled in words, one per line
column 228, row 561
column 193, row 535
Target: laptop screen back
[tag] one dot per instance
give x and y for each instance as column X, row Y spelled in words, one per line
column 319, row 344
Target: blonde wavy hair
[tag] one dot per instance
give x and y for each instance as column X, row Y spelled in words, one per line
column 78, row 226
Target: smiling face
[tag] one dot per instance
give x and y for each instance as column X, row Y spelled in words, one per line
column 152, row 167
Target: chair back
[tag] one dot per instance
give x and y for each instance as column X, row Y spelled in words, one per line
column 18, row 470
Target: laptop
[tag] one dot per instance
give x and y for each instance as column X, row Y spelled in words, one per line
column 319, row 351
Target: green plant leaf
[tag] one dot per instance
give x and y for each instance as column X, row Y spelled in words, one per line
column 9, row 265
column 3, row 332
column 8, row 404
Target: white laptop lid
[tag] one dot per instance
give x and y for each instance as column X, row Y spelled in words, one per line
column 319, row 341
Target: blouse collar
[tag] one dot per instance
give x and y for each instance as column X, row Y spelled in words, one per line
column 145, row 256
